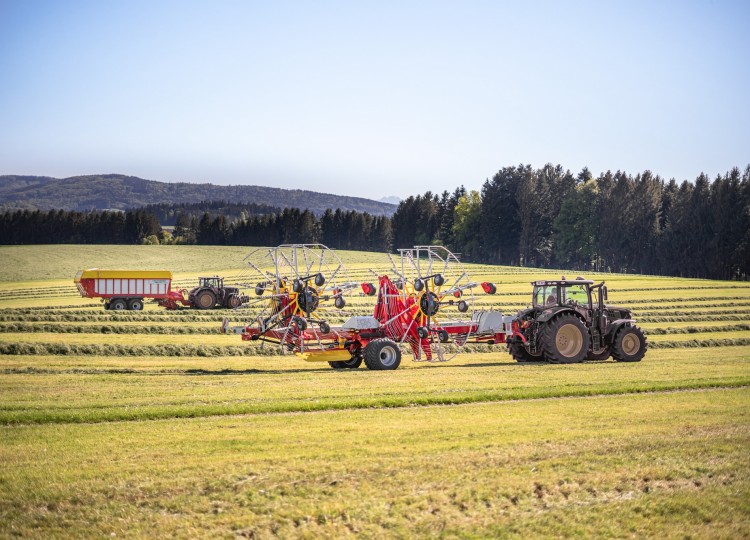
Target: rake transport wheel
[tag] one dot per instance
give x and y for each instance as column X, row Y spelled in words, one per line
column 520, row 353
column 382, row 354
column 630, row 344
column 354, row 363
column 565, row 340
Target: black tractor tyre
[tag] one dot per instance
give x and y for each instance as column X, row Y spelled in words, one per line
column 135, row 304
column 234, row 301
column 118, row 304
column 205, row 299
column 382, row 354
column 606, row 353
column 354, row 363
column 630, row 344
column 520, row 353
column 565, row 340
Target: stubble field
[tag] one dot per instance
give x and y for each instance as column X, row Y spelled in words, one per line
column 155, row 424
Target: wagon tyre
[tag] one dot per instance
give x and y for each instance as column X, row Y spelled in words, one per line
column 520, row 353
column 566, row 340
column 118, row 304
column 382, row 354
column 354, row 363
column 135, row 304
column 630, row 344
column 205, row 300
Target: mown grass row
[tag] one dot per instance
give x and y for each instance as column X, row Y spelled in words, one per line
column 176, row 329
column 393, row 401
column 106, row 329
column 106, row 349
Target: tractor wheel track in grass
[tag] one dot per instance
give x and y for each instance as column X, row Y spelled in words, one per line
column 12, row 417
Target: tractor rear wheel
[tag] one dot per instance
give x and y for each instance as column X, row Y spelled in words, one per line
column 205, row 299
column 354, row 363
column 520, row 353
column 565, row 340
column 630, row 344
column 118, row 304
column 382, row 354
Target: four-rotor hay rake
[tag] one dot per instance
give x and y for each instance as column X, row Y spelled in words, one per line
column 427, row 306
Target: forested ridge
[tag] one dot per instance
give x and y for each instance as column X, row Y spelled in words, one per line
column 120, row 192
column 544, row 217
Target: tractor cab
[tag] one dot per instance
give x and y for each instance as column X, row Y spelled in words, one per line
column 564, row 292
column 214, row 282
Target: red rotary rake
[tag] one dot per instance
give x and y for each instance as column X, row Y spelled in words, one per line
column 428, row 307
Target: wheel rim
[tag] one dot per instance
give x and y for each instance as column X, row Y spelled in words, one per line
column 569, row 340
column 204, row 300
column 118, row 306
column 387, row 356
column 630, row 344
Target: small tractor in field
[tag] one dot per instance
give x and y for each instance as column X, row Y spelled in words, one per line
column 211, row 293
column 570, row 322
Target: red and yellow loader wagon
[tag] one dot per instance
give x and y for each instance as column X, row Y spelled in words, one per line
column 127, row 289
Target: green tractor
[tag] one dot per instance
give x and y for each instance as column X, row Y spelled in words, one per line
column 211, row 293
column 570, row 322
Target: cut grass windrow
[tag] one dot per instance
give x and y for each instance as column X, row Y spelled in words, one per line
column 123, row 414
column 105, row 349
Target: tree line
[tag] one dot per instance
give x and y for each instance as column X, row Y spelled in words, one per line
column 544, row 217
column 167, row 213
column 615, row 222
column 338, row 229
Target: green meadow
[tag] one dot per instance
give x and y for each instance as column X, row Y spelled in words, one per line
column 154, row 424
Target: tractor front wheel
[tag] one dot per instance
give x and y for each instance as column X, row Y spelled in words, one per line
column 233, row 302
column 630, row 344
column 565, row 340
column 382, row 354
column 205, row 300
column 520, row 353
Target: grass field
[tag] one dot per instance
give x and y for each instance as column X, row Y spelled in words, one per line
column 108, row 429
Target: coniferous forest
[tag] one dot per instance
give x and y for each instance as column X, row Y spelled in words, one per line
column 546, row 217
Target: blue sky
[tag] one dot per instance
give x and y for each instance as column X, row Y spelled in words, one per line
column 371, row 98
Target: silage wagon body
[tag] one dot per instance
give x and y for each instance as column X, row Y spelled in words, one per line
column 127, row 289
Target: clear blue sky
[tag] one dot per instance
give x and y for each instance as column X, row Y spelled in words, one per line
column 371, row 98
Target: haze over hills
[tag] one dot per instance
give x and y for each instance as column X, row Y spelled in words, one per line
column 116, row 191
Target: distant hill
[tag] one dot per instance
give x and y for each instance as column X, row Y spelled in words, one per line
column 116, row 191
